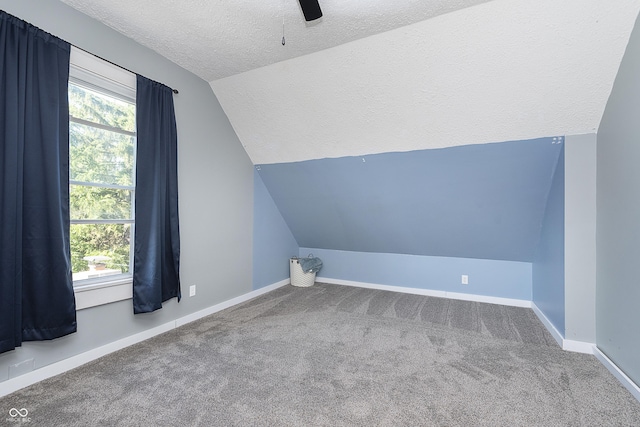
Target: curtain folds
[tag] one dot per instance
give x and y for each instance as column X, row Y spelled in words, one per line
column 157, row 237
column 36, row 290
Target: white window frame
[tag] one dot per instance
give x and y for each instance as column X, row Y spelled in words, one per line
column 94, row 73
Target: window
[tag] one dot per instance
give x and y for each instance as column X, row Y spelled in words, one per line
column 102, row 143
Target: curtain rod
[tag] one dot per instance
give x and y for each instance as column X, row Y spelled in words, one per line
column 175, row 91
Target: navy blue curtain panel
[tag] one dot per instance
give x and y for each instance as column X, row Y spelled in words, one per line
column 36, row 300
column 156, row 263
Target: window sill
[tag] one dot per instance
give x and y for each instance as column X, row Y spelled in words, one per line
column 94, row 294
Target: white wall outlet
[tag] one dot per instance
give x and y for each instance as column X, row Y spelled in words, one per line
column 192, row 290
column 465, row 279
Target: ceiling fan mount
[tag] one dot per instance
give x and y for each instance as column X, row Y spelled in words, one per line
column 310, row 9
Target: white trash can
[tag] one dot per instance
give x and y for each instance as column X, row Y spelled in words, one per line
column 299, row 277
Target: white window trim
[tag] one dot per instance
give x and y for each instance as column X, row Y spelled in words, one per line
column 102, row 75
column 94, row 294
column 95, row 73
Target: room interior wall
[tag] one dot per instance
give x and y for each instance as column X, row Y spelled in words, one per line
column 273, row 243
column 580, row 237
column 490, row 278
column 618, row 213
column 422, row 219
column 548, row 266
column 480, row 201
column 215, row 194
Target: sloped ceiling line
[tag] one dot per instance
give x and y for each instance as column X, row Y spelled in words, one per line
column 499, row 71
column 386, row 76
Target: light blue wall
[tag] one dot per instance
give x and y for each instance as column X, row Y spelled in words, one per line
column 215, row 178
column 273, row 243
column 504, row 279
column 618, row 218
column 548, row 267
column 479, row 201
column 422, row 219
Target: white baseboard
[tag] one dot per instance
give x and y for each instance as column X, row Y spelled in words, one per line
column 568, row 345
column 578, row 346
column 547, row 324
column 230, row 303
column 15, row 384
column 429, row 292
column 620, row 376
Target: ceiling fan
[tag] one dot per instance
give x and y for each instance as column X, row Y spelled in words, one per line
column 310, row 9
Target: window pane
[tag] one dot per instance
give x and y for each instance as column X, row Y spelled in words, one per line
column 99, row 203
column 99, row 250
column 99, row 108
column 100, row 156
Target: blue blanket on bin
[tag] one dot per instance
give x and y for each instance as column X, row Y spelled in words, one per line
column 310, row 264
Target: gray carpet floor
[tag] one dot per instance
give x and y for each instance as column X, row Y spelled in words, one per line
column 333, row 355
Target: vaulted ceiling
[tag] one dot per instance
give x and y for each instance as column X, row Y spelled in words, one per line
column 381, row 76
column 216, row 39
column 371, row 127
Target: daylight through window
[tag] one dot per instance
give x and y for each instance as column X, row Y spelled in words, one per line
column 102, row 144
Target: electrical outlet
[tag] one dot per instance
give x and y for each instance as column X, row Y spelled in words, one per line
column 465, row 279
column 192, row 290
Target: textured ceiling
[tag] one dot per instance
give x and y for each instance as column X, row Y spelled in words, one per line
column 499, row 71
column 215, row 39
column 382, row 75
